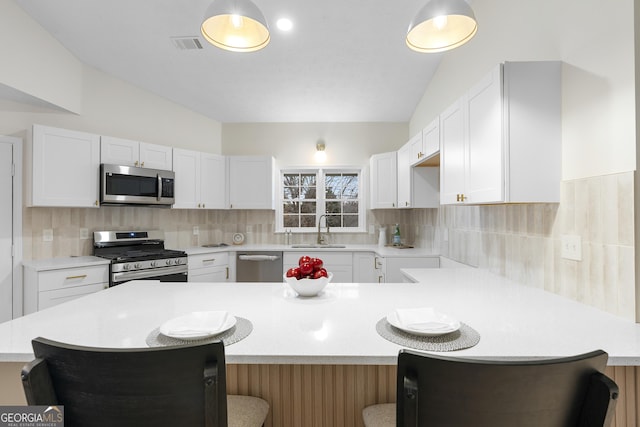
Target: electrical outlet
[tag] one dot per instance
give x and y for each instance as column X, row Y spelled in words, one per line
column 571, row 247
column 196, row 230
column 47, row 235
column 84, row 233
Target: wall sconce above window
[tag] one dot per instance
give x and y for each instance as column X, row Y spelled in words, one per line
column 235, row 25
column 321, row 155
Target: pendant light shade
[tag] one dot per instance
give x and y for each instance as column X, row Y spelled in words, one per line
column 236, row 25
column 441, row 25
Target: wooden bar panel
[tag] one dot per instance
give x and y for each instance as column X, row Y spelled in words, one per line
column 334, row 395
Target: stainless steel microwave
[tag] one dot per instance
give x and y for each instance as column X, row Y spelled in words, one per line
column 128, row 185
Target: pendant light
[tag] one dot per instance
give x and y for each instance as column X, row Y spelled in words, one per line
column 235, row 25
column 441, row 25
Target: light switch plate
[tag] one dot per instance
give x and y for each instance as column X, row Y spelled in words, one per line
column 47, row 235
column 571, row 247
column 196, row 230
column 84, row 233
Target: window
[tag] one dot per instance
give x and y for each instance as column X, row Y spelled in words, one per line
column 309, row 193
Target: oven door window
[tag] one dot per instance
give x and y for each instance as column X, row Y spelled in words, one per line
column 131, row 185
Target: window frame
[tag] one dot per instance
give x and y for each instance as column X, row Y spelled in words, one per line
column 320, row 173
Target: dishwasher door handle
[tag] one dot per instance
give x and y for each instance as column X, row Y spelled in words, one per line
column 258, row 257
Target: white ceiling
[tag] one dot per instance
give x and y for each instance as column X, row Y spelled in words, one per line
column 344, row 60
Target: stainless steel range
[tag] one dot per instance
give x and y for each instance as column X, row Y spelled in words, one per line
column 139, row 255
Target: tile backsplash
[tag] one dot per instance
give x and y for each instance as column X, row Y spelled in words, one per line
column 519, row 241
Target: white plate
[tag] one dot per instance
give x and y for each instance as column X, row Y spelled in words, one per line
column 198, row 325
column 432, row 323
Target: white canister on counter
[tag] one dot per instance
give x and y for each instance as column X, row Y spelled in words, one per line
column 382, row 237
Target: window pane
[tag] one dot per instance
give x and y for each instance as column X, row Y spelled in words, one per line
column 308, row 193
column 350, row 189
column 333, row 220
column 290, row 221
column 308, row 207
column 290, row 207
column 350, row 207
column 333, row 207
column 291, row 179
column 290, row 192
column 307, row 220
column 350, row 220
column 308, row 180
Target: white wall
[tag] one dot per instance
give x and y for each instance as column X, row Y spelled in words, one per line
column 104, row 105
column 35, row 63
column 294, row 144
column 594, row 39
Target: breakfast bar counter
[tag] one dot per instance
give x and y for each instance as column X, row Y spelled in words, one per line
column 339, row 325
column 301, row 347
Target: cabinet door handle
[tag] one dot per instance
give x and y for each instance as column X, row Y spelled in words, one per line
column 136, row 163
column 97, row 203
column 142, row 165
column 198, row 204
column 227, row 273
column 82, row 276
column 203, row 205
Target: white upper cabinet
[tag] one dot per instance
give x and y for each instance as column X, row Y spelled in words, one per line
column 383, row 180
column 213, row 181
column 426, row 144
column 418, row 182
column 200, row 180
column 118, row 151
column 452, row 153
column 251, row 182
column 62, row 168
column 501, row 142
column 430, row 141
column 404, row 175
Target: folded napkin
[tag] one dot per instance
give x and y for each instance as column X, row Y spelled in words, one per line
column 195, row 324
column 423, row 319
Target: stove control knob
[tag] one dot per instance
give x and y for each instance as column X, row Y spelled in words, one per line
column 168, row 262
column 153, row 263
column 138, row 265
column 178, row 261
column 126, row 266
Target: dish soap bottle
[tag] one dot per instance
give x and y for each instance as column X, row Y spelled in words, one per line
column 396, row 236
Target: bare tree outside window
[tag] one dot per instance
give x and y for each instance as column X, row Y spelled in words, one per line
column 308, row 194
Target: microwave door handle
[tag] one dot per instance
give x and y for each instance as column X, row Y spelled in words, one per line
column 159, row 186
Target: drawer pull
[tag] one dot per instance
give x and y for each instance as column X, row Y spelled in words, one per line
column 209, row 260
column 82, row 276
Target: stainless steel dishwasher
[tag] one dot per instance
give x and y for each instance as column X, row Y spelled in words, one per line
column 262, row 266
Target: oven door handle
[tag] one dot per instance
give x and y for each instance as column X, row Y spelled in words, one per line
column 152, row 272
column 258, row 257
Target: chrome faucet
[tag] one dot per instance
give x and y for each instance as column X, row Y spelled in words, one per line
column 321, row 239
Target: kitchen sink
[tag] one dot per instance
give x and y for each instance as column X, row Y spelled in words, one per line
column 318, row 246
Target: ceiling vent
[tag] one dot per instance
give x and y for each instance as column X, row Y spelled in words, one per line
column 186, row 43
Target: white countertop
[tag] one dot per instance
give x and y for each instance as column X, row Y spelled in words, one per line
column 338, row 327
column 384, row 251
column 64, row 262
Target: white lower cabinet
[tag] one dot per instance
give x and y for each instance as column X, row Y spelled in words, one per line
column 209, row 267
column 364, row 267
column 46, row 288
column 388, row 268
column 338, row 263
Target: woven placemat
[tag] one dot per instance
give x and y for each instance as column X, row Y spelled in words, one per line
column 464, row 337
column 241, row 330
